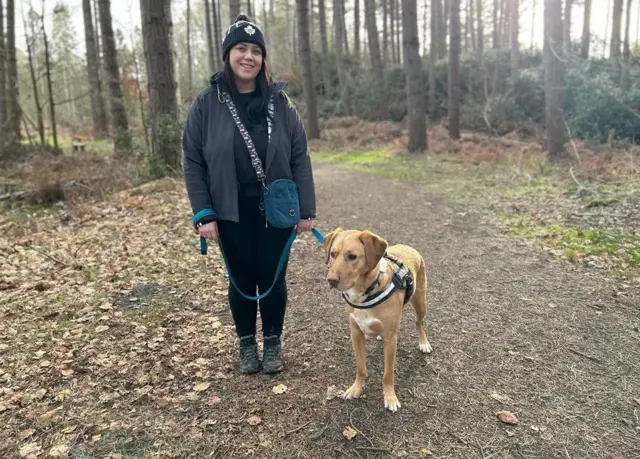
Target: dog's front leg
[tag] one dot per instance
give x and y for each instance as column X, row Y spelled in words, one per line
column 390, row 346
column 359, row 351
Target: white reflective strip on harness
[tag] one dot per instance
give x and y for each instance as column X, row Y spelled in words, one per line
column 375, row 300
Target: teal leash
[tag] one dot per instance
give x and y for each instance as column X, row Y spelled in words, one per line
column 285, row 252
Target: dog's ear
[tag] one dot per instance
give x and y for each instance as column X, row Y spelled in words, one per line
column 328, row 240
column 374, row 248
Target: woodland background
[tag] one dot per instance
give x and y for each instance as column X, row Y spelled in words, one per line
column 531, row 67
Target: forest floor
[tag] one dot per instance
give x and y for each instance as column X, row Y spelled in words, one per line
column 116, row 340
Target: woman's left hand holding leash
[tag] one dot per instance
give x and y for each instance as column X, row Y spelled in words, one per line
column 305, row 225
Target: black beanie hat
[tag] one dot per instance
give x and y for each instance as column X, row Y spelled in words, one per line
column 240, row 31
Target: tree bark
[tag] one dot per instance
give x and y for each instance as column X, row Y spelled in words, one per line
column 626, row 53
column 356, row 30
column 234, row 10
column 98, row 110
column 398, row 33
column 413, row 70
column 122, row 142
column 324, row 45
column 554, row 78
column 304, row 41
column 392, row 29
column 616, row 28
column 52, row 104
column 514, row 27
column 480, row 27
column 376, row 60
column 207, row 25
column 217, row 32
column 385, row 34
column 34, row 82
column 566, row 32
column 586, row 30
column 14, row 113
column 496, row 27
column 189, row 59
column 433, row 56
column 454, row 69
column 3, row 78
column 157, row 27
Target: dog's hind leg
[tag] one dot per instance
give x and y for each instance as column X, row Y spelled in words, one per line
column 419, row 302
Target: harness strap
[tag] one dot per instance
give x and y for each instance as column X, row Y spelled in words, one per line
column 401, row 279
column 285, row 252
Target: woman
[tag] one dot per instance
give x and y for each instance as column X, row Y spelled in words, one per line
column 224, row 190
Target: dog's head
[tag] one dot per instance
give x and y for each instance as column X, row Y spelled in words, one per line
column 350, row 255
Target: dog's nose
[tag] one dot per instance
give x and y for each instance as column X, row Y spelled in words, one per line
column 333, row 280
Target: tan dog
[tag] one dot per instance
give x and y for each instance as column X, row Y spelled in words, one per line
column 357, row 266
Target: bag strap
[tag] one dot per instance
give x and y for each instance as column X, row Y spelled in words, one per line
column 255, row 159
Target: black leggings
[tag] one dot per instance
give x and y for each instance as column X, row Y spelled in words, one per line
column 253, row 250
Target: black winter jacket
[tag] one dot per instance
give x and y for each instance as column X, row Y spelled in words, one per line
column 209, row 166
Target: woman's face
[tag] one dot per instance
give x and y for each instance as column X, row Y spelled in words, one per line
column 246, row 61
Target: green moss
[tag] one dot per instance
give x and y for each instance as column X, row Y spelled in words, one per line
column 621, row 249
column 600, row 202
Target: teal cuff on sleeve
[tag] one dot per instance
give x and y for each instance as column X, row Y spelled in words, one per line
column 202, row 213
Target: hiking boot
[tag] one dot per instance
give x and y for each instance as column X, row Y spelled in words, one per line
column 272, row 357
column 249, row 361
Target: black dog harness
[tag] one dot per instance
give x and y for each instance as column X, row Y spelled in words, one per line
column 401, row 279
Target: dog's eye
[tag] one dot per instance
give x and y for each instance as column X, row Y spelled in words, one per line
column 332, row 254
column 352, row 256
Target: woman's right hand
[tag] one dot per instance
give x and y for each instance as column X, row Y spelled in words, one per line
column 209, row 231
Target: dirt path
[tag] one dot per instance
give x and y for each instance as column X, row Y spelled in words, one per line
column 512, row 330
column 150, row 371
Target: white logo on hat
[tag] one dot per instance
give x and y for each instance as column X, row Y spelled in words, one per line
column 250, row 30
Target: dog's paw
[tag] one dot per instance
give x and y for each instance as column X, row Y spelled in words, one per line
column 426, row 348
column 354, row 391
column 391, row 402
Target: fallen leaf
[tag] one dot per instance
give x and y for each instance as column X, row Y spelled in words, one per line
column 279, row 389
column 510, row 433
column 333, row 392
column 59, row 451
column 29, row 449
column 45, row 363
column 424, row 452
column 499, row 397
column 507, row 417
column 254, row 420
column 213, row 400
column 22, row 436
column 102, row 328
column 200, row 387
column 349, row 433
column 66, row 372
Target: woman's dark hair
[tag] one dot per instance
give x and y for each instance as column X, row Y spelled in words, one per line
column 257, row 109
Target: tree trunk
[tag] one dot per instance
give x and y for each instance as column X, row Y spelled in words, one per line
column 157, row 28
column 566, row 32
column 515, row 47
column 441, row 39
column 3, row 78
column 14, row 113
column 496, row 29
column 376, row 59
column 122, row 142
column 398, row 33
column 586, row 30
column 480, row 26
column 304, row 40
column 433, row 56
column 616, row 28
column 554, row 78
column 34, row 82
column 207, row 24
column 385, row 34
column 533, row 23
column 472, row 32
column 356, row 31
column 454, row 69
column 234, row 10
column 52, row 104
column 189, row 59
column 626, row 53
column 324, row 44
column 98, row 110
column 217, row 32
column 413, row 70
column 392, row 29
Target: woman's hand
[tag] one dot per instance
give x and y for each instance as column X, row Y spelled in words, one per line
column 209, row 231
column 305, row 225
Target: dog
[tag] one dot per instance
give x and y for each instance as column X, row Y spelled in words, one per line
column 361, row 265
